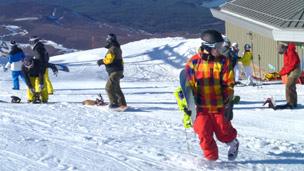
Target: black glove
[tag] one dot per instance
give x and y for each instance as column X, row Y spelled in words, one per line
column 187, row 111
column 55, row 70
column 228, row 111
column 100, row 62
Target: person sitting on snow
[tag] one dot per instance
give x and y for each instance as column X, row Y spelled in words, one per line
column 182, row 105
column 15, row 58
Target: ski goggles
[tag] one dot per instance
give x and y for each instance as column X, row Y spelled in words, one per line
column 220, row 46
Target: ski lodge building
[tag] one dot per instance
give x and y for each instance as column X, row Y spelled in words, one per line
column 264, row 24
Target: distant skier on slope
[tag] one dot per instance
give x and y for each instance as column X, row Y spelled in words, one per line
column 210, row 76
column 15, row 58
column 114, row 66
column 182, row 105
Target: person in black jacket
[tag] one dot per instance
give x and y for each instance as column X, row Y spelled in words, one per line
column 34, row 69
column 33, row 75
column 114, row 66
column 42, row 55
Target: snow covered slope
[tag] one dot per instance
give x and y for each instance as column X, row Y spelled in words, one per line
column 65, row 135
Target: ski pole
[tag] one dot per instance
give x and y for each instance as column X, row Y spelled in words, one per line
column 260, row 72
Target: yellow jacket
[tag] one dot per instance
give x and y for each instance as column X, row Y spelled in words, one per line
column 247, row 58
column 182, row 105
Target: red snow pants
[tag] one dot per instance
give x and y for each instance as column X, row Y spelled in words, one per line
column 207, row 124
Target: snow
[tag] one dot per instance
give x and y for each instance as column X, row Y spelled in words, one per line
column 65, row 135
column 26, row 19
column 16, row 30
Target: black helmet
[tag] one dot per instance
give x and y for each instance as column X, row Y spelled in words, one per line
column 247, row 47
column 211, row 37
column 111, row 38
column 33, row 40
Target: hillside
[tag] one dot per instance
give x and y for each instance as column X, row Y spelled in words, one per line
column 81, row 25
column 154, row 16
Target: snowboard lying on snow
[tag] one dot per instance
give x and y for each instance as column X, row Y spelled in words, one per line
column 97, row 102
column 100, row 102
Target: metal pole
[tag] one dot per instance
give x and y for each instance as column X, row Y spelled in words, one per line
column 260, row 72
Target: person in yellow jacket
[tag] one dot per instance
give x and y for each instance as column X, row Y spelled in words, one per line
column 182, row 105
column 247, row 61
column 113, row 62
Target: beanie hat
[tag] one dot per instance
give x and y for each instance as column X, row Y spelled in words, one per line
column 111, row 38
column 33, row 40
column 28, row 62
column 13, row 43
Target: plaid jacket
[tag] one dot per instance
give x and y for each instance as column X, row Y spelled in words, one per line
column 211, row 80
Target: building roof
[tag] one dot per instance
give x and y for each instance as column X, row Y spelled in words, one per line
column 284, row 14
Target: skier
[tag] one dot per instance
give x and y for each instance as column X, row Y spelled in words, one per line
column 15, row 58
column 114, row 66
column 246, row 60
column 41, row 53
column 210, row 76
column 182, row 105
column 292, row 69
column 235, row 58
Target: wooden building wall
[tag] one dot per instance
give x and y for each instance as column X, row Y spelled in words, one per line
column 263, row 46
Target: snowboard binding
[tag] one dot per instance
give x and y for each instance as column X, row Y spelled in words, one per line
column 270, row 103
column 36, row 98
column 99, row 101
column 15, row 99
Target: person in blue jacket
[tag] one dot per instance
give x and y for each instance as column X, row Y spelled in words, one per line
column 15, row 59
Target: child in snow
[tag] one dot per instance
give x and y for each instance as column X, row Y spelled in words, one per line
column 247, row 61
column 182, row 105
column 15, row 59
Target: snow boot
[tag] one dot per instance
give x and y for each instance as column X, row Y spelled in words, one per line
column 233, row 149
